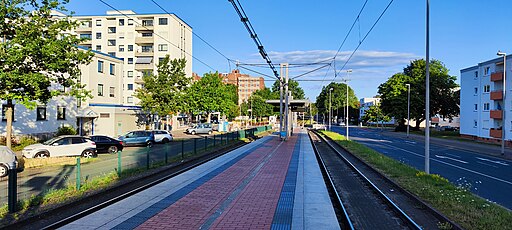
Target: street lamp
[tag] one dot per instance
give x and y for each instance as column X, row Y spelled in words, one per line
column 330, row 90
column 427, row 92
column 408, row 106
column 346, row 83
column 504, row 108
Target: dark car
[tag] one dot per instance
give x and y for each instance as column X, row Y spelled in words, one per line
column 107, row 144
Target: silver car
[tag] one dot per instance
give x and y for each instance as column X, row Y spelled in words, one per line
column 201, row 128
column 162, row 136
column 7, row 156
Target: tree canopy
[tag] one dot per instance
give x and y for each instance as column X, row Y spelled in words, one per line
column 257, row 102
column 164, row 93
column 293, row 86
column 443, row 95
column 338, row 97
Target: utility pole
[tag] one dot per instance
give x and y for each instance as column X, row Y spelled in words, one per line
column 287, row 102
column 427, row 95
column 281, row 84
column 346, row 83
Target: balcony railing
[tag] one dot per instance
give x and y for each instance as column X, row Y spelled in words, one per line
column 496, row 114
column 496, row 133
column 144, row 40
column 498, row 76
column 143, row 66
column 139, row 80
column 497, row 95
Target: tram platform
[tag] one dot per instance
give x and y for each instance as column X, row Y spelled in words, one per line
column 267, row 184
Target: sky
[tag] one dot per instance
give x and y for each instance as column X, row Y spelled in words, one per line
column 462, row 34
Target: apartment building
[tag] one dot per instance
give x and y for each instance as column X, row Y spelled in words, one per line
column 245, row 83
column 483, row 114
column 365, row 104
column 141, row 40
column 103, row 114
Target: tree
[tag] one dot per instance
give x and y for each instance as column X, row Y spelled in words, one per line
column 37, row 59
column 164, row 93
column 210, row 94
column 293, row 86
column 338, row 100
column 374, row 114
column 257, row 102
column 443, row 96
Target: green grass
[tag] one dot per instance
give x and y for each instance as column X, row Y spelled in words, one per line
column 456, row 202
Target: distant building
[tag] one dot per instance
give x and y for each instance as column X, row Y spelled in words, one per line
column 365, row 104
column 481, row 101
column 245, row 83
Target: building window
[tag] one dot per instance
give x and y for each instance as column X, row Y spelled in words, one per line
column 121, row 48
column 130, row 86
column 162, row 47
column 98, row 47
column 147, row 22
column 130, row 73
column 111, row 42
column 146, row 73
column 100, row 66
column 476, row 90
column 98, row 35
column 476, row 107
column 98, row 22
column 111, row 30
column 112, row 69
column 112, row 91
column 476, row 74
column 162, row 21
column 61, row 113
column 104, row 115
column 487, row 88
column 121, row 22
column 160, row 59
column 130, row 47
column 486, row 106
column 147, row 49
column 41, row 113
column 86, row 36
column 130, row 22
column 487, row 71
column 475, row 123
column 130, row 60
column 129, row 99
column 113, row 54
column 100, row 90
column 147, row 35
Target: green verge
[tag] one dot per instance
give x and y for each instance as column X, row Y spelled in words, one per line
column 456, row 202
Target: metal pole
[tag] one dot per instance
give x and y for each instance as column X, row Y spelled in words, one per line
column 287, row 98
column 281, row 101
column 408, row 106
column 504, row 99
column 427, row 95
column 119, row 164
column 12, row 199
column 346, row 119
column 78, row 174
column 330, row 89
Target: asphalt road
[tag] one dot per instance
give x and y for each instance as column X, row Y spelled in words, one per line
column 35, row 181
column 475, row 167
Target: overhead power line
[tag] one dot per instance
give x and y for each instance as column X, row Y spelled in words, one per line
column 245, row 20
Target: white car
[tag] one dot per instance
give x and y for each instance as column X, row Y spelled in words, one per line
column 162, row 136
column 62, row 146
column 7, row 157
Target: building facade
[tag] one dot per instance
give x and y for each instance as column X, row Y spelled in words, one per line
column 483, row 115
column 245, row 83
column 365, row 104
column 141, row 40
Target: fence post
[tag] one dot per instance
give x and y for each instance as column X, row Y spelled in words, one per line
column 12, row 192
column 119, row 164
column 78, row 176
column 213, row 140
column 182, row 149
column 221, row 142
column 147, row 158
column 195, row 146
column 167, row 152
column 205, row 143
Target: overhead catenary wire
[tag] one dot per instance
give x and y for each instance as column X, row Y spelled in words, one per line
column 165, row 39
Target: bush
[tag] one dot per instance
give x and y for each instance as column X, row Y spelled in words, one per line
column 65, row 130
column 23, row 142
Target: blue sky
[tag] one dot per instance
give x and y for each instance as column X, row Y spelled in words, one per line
column 463, row 33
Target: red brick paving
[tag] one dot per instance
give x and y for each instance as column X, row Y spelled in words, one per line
column 191, row 211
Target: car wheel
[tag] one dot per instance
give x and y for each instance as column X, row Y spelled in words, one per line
column 3, row 170
column 42, row 155
column 165, row 140
column 87, row 153
column 210, row 132
column 149, row 144
column 193, row 132
column 112, row 149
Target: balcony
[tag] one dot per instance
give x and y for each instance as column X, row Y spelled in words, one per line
column 496, row 133
column 138, row 80
column 144, row 40
column 86, row 43
column 498, row 76
column 496, row 114
column 146, row 53
column 140, row 66
column 497, row 95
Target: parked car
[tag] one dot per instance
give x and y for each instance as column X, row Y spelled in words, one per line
column 107, row 144
column 7, row 156
column 448, row 128
column 201, row 128
column 162, row 136
column 67, row 145
column 138, row 138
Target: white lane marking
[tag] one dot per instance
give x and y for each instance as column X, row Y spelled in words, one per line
column 479, row 162
column 496, row 162
column 410, row 142
column 449, row 158
column 456, row 166
column 452, row 155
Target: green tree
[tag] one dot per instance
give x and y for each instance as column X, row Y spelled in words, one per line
column 164, row 93
column 443, row 95
column 38, row 60
column 375, row 114
column 210, row 94
column 293, row 86
column 338, row 100
column 257, row 102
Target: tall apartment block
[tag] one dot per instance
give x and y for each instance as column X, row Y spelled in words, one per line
column 245, row 83
column 141, row 40
column 483, row 113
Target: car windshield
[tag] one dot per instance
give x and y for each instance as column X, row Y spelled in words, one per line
column 49, row 142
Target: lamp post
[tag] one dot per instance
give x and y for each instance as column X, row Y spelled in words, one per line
column 346, row 83
column 504, row 108
column 427, row 92
column 330, row 90
column 408, row 106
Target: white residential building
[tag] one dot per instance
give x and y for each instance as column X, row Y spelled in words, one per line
column 141, row 40
column 481, row 101
column 365, row 104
